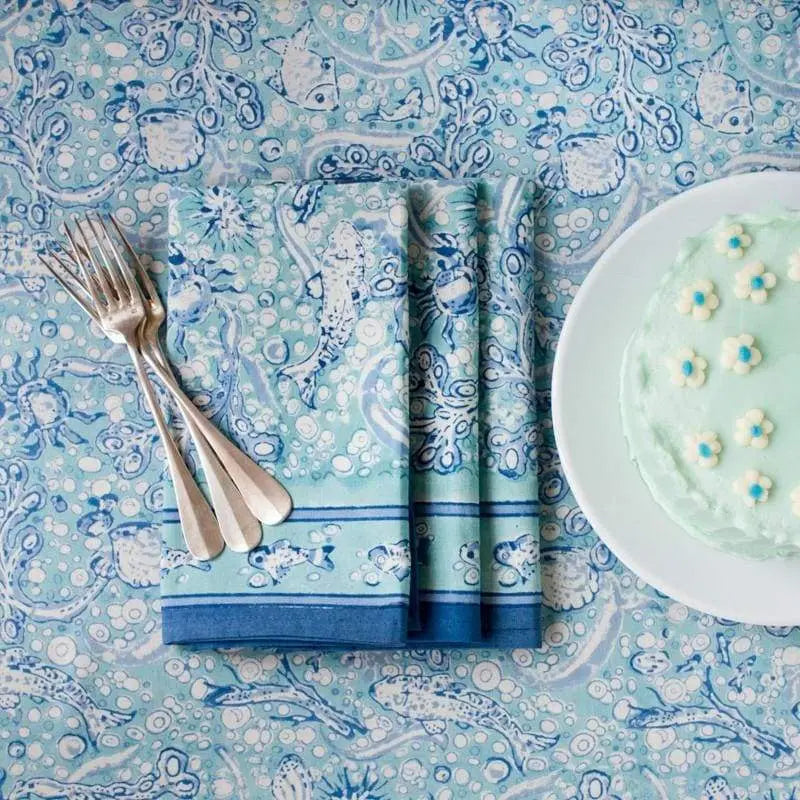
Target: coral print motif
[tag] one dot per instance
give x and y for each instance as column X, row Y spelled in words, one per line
column 443, row 411
column 212, row 22
column 464, row 151
column 32, row 130
column 608, row 25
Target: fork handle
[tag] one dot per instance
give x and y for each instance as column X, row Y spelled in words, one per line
column 198, row 523
column 239, row 528
column 262, row 493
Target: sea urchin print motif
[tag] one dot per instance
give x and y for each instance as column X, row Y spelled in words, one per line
column 610, row 106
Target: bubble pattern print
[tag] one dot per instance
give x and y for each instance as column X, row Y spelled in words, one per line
column 610, row 107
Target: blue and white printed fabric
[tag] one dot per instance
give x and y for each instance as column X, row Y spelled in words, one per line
column 473, row 412
column 380, row 363
column 290, row 329
column 610, row 106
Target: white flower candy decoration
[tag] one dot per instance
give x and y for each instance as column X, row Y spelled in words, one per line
column 753, row 487
column 795, row 498
column 752, row 281
column 698, row 300
column 740, row 354
column 794, row 266
column 732, row 241
column 753, row 429
column 703, row 449
column 687, row 368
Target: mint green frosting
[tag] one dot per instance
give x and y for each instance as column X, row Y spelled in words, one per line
column 657, row 414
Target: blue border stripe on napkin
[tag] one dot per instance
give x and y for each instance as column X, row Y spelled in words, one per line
column 243, row 598
column 502, row 508
column 336, row 513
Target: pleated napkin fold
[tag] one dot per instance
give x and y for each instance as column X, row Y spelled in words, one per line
column 372, row 345
column 473, row 412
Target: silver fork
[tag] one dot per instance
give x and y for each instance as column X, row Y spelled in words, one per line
column 121, row 323
column 240, row 530
column 263, row 494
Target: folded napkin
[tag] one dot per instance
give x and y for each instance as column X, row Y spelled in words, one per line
column 287, row 316
column 372, row 345
column 473, row 414
column 444, row 391
column 510, row 579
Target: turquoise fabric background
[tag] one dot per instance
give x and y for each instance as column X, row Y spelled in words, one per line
column 611, row 108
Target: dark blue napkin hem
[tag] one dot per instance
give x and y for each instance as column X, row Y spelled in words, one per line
column 285, row 625
column 447, row 623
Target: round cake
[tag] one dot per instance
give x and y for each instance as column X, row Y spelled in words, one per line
column 710, row 389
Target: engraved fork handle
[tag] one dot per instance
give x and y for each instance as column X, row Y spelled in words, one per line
column 262, row 493
column 199, row 525
column 240, row 529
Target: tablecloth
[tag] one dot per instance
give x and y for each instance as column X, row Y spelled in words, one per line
column 611, row 107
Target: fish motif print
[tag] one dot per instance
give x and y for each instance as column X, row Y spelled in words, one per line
column 22, row 674
column 719, row 101
column 521, row 556
column 436, row 700
column 394, row 559
column 341, row 286
column 278, row 558
column 304, row 77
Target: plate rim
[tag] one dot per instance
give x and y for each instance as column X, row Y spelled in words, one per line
column 583, row 298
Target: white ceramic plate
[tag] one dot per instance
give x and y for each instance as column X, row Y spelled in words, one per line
column 588, row 428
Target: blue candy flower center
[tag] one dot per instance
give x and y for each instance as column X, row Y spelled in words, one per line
column 744, row 354
column 687, row 368
column 756, row 431
column 757, row 282
column 699, row 298
column 734, row 242
column 704, row 450
column 755, row 491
